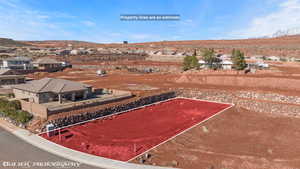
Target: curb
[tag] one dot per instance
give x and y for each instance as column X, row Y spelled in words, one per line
column 76, row 155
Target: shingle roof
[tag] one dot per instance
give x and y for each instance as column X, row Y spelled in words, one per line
column 51, row 85
column 46, row 61
column 8, row 72
column 19, row 58
column 4, row 71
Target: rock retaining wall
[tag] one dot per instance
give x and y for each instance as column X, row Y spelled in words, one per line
column 109, row 111
column 242, row 81
column 265, row 103
column 141, row 68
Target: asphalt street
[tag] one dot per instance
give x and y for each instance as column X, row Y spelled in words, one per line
column 17, row 154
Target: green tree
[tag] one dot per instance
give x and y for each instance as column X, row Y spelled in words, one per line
column 238, row 59
column 190, row 62
column 209, row 56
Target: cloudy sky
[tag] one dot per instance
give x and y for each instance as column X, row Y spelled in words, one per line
column 99, row 20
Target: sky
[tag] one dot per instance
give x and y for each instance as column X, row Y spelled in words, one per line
column 99, row 20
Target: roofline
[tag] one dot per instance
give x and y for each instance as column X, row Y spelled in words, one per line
column 44, row 92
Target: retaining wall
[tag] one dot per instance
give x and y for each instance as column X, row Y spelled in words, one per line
column 61, row 122
column 243, row 81
column 154, row 68
column 273, row 104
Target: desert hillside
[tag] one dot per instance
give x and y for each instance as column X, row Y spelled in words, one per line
column 281, row 46
column 11, row 43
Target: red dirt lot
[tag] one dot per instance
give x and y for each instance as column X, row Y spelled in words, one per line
column 235, row 139
column 124, row 136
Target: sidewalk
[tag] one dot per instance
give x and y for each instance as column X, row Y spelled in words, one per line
column 70, row 154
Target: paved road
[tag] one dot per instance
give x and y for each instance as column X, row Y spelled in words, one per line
column 13, row 149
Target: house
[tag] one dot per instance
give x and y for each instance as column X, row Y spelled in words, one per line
column 65, row 52
column 17, row 63
column 273, row 58
column 52, row 90
column 7, row 50
column 49, row 96
column 10, row 77
column 202, row 63
column 74, row 52
column 224, row 56
column 262, row 65
column 66, row 64
column 226, row 64
column 257, row 57
column 46, row 63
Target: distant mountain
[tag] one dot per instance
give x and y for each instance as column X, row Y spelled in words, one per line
column 288, row 32
column 11, row 43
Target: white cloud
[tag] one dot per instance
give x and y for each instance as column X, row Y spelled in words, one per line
column 88, row 23
column 286, row 17
column 140, row 36
column 19, row 22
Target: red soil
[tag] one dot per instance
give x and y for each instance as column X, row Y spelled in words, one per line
column 127, row 135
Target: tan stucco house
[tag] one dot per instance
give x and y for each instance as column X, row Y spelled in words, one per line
column 46, row 63
column 52, row 90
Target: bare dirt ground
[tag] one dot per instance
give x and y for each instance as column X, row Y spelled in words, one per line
column 235, row 139
column 238, row 138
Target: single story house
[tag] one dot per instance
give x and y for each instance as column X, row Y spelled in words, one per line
column 52, row 90
column 46, row 63
column 10, row 77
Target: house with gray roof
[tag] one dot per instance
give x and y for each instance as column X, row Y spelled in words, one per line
column 52, row 90
column 50, row 96
column 46, row 63
column 10, row 77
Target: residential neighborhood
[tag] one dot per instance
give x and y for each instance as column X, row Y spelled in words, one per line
column 137, row 84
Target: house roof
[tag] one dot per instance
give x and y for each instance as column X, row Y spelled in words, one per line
column 46, row 61
column 52, row 85
column 227, row 62
column 201, row 61
column 19, row 58
column 8, row 72
column 4, row 71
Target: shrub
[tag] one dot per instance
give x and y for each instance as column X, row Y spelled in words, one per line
column 12, row 109
column 23, row 117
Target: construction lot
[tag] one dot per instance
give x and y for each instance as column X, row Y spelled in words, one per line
column 260, row 132
column 127, row 135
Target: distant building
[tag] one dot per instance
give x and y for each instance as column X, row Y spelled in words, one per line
column 64, row 52
column 202, row 64
column 74, row 52
column 7, row 50
column 46, row 63
column 224, row 56
column 258, row 65
column 66, row 64
column 226, row 64
column 17, row 63
column 10, row 77
column 274, row 58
